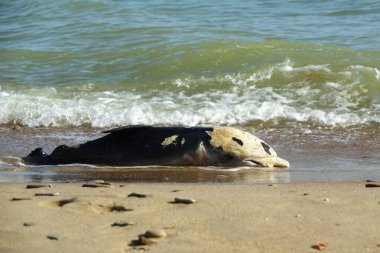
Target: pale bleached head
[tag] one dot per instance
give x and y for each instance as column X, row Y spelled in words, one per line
column 245, row 147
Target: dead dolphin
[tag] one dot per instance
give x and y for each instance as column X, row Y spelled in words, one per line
column 151, row 145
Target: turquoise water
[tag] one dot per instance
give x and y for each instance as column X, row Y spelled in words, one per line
column 309, row 69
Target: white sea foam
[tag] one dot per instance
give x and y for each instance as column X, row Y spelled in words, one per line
column 243, row 98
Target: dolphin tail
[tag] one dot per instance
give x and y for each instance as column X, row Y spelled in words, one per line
column 37, row 156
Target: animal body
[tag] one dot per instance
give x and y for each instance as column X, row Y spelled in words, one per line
column 153, row 145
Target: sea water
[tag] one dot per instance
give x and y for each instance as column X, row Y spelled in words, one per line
column 302, row 75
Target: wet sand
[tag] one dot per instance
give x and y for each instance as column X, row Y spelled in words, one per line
column 225, row 218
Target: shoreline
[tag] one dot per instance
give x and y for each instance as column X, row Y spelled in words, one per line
column 170, row 174
column 287, row 217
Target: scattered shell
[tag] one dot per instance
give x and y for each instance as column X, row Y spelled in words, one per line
column 139, row 195
column 326, row 199
column 97, row 182
column 47, row 194
column 20, row 198
column 157, row 233
column 372, row 185
column 319, row 246
column 32, row 186
column 97, row 185
column 52, row 237
column 144, row 241
column 184, row 200
column 105, row 183
column 28, row 224
column 123, row 223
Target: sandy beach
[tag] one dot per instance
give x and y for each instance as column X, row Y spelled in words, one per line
column 342, row 217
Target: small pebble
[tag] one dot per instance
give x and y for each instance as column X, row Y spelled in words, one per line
column 96, row 185
column 306, row 194
column 139, row 195
column 33, row 186
column 28, row 224
column 184, row 200
column 52, row 237
column 272, row 185
column 326, row 199
column 298, row 215
column 19, row 199
column 176, row 190
column 372, row 185
column 319, row 246
column 120, row 209
column 97, row 182
column 122, row 223
column 47, row 194
column 159, row 233
column 145, row 241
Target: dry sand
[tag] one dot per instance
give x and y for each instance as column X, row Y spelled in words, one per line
column 225, row 218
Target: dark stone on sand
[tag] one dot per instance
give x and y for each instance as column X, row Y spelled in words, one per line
column 97, row 185
column 19, row 199
column 53, row 237
column 139, row 195
column 120, row 209
column 372, row 185
column 63, row 202
column 122, row 223
column 28, row 224
column 179, row 200
column 47, row 194
column 33, row 186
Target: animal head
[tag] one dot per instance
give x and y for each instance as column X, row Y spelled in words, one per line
column 245, row 147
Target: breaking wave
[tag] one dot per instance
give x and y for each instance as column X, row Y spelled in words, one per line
column 320, row 93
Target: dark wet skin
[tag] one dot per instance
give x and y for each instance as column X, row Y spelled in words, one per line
column 139, row 145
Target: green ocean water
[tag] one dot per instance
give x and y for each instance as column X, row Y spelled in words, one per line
column 302, row 75
column 108, row 63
